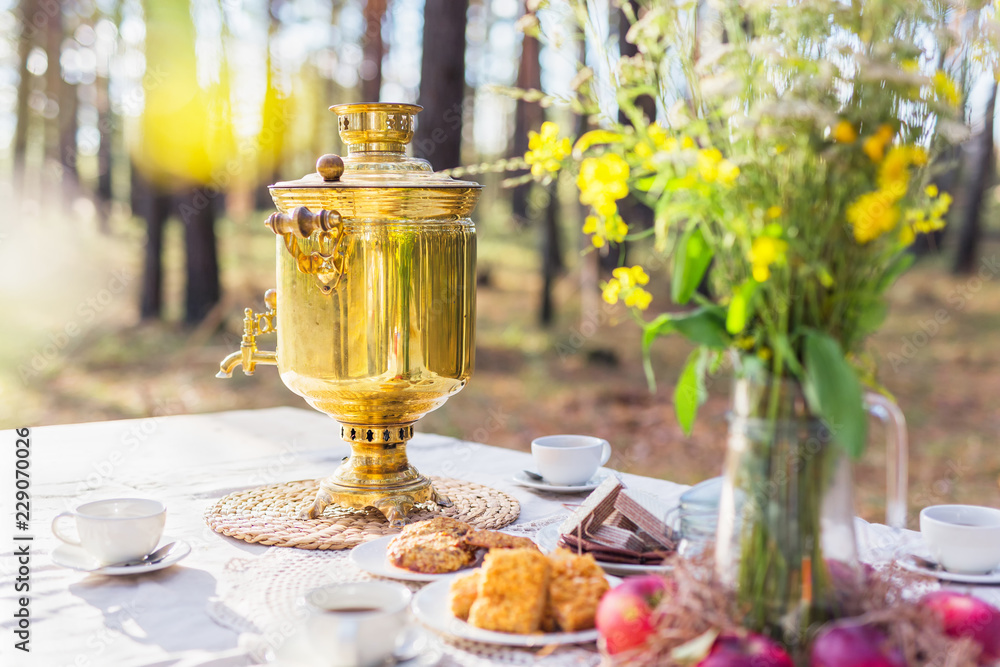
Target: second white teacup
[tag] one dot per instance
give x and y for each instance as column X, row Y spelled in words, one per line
column 356, row 625
column 116, row 530
column 964, row 539
column 569, row 460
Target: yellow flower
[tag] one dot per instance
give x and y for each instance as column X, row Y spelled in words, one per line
column 874, row 146
column 611, row 291
column 774, row 212
column 713, row 167
column 605, row 229
column 625, row 284
column 946, row 89
column 728, row 172
column 629, row 277
column 602, row 181
column 907, row 235
column 708, row 164
column 546, row 150
column 638, row 298
column 872, row 214
column 844, row 133
column 931, row 190
column 764, row 252
column 894, row 173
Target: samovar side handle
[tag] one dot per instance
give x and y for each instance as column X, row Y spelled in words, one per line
column 324, row 230
column 897, row 456
column 254, row 324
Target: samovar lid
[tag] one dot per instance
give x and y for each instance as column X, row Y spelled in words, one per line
column 376, row 136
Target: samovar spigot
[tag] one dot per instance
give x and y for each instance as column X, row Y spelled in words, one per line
column 254, row 324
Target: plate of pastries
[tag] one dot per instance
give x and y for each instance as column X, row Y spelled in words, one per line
column 518, row 597
column 431, row 550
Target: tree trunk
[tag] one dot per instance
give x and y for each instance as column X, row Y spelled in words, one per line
column 645, row 103
column 53, row 80
column 373, row 49
column 23, row 86
column 153, row 204
column 438, row 137
column 106, row 127
column 636, row 214
column 69, row 103
column 552, row 264
column 970, row 232
column 527, row 116
column 196, row 208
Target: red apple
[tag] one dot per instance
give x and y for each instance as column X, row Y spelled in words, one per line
column 746, row 650
column 968, row 616
column 624, row 614
column 854, row 646
column 651, row 587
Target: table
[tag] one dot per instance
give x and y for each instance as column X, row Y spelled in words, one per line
column 201, row 612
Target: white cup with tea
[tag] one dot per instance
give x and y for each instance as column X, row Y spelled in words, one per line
column 115, row 530
column 963, row 539
column 358, row 624
column 569, row 460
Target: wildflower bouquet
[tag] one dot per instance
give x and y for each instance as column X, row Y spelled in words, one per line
column 790, row 167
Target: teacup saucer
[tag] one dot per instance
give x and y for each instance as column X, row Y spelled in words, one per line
column 522, row 478
column 419, row 651
column 908, row 563
column 75, row 558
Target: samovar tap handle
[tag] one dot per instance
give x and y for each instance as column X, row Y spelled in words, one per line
column 254, row 324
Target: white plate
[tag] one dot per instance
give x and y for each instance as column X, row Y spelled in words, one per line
column 432, row 607
column 522, row 478
column 75, row 558
column 370, row 557
column 988, row 578
column 548, row 540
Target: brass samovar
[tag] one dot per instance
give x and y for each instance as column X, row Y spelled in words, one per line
column 375, row 306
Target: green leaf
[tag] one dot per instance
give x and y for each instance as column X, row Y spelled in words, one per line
column 690, row 263
column 661, row 326
column 741, row 307
column 690, row 392
column 872, row 315
column 833, row 392
column 703, row 326
column 696, row 650
column 903, row 261
column 782, row 343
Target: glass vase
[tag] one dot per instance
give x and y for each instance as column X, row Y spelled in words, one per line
column 785, row 541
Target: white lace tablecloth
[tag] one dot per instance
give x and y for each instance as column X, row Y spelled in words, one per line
column 221, row 605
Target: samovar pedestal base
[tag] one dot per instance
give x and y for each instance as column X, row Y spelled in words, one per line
column 377, row 474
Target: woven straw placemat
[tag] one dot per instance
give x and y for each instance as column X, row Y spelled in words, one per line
column 269, row 515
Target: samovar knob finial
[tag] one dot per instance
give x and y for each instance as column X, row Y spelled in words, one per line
column 330, row 167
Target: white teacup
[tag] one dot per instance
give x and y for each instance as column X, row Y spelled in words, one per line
column 569, row 460
column 117, row 530
column 964, row 539
column 358, row 624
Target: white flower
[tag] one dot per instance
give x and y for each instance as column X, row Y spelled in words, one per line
column 723, row 85
column 711, row 56
column 876, row 72
column 793, row 109
column 952, row 132
column 678, row 114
